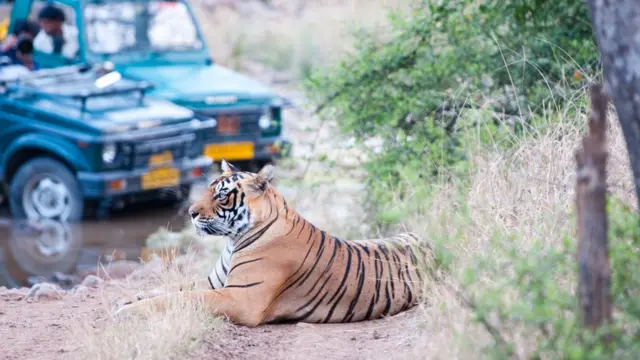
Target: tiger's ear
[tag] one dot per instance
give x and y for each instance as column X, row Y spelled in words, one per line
column 227, row 168
column 259, row 183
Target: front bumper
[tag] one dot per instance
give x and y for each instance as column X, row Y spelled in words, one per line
column 264, row 149
column 98, row 185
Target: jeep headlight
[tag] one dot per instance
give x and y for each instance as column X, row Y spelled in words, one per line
column 265, row 120
column 109, row 153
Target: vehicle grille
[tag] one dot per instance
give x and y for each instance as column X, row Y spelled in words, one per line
column 247, row 122
column 177, row 145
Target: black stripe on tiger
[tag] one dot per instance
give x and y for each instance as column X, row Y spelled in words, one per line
column 243, row 263
column 342, row 284
column 244, row 285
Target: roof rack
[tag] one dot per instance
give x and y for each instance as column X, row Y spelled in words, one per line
column 56, row 72
column 141, row 87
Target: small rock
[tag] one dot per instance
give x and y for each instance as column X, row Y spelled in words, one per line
column 376, row 335
column 353, row 338
column 46, row 290
column 14, row 294
column 80, row 292
column 91, row 281
column 118, row 269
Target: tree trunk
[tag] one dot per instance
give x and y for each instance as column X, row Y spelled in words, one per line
column 594, row 283
column 616, row 26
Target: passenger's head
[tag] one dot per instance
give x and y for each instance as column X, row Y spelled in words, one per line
column 25, row 28
column 24, row 49
column 51, row 19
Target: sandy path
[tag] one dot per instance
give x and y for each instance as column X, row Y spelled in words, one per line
column 47, row 329
column 388, row 338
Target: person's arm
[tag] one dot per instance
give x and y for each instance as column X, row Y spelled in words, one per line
column 8, row 43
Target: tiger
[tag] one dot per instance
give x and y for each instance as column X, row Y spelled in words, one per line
column 277, row 267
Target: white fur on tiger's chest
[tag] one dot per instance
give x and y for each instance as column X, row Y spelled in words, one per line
column 218, row 276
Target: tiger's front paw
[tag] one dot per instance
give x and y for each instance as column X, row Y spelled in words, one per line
column 133, row 309
column 127, row 299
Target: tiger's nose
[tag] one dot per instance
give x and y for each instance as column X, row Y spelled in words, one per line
column 193, row 211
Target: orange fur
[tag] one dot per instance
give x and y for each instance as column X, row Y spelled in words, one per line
column 285, row 269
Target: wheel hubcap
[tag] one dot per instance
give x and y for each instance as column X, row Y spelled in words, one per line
column 47, row 197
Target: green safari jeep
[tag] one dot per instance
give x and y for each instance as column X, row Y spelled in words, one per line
column 78, row 135
column 159, row 41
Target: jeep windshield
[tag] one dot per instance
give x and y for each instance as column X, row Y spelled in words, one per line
column 140, row 26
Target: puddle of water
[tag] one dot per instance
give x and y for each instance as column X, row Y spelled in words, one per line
column 55, row 252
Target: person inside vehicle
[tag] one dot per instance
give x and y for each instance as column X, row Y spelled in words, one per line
column 24, row 53
column 21, row 29
column 56, row 37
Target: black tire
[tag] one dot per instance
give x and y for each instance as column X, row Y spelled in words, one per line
column 42, row 167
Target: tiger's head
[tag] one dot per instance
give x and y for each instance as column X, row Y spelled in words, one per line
column 232, row 204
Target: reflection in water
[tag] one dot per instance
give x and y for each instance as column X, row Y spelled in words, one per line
column 48, row 250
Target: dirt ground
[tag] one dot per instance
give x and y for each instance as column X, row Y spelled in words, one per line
column 47, row 329
column 390, row 338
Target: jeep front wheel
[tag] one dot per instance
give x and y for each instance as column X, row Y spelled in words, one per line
column 45, row 188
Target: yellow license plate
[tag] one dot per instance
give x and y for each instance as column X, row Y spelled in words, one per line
column 230, row 151
column 161, row 159
column 161, row 177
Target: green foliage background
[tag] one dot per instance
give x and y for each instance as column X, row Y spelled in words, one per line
column 458, row 75
column 452, row 67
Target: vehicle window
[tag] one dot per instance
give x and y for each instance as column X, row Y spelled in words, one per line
column 55, row 37
column 150, row 26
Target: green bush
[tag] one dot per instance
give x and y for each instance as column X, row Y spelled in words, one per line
column 451, row 66
column 539, row 297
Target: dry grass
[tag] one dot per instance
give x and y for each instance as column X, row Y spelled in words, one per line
column 526, row 193
column 155, row 336
column 291, row 36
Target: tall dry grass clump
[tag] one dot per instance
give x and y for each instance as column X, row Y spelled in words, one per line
column 170, row 335
column 519, row 200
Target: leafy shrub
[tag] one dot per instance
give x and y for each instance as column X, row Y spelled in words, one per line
column 451, row 66
column 539, row 299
